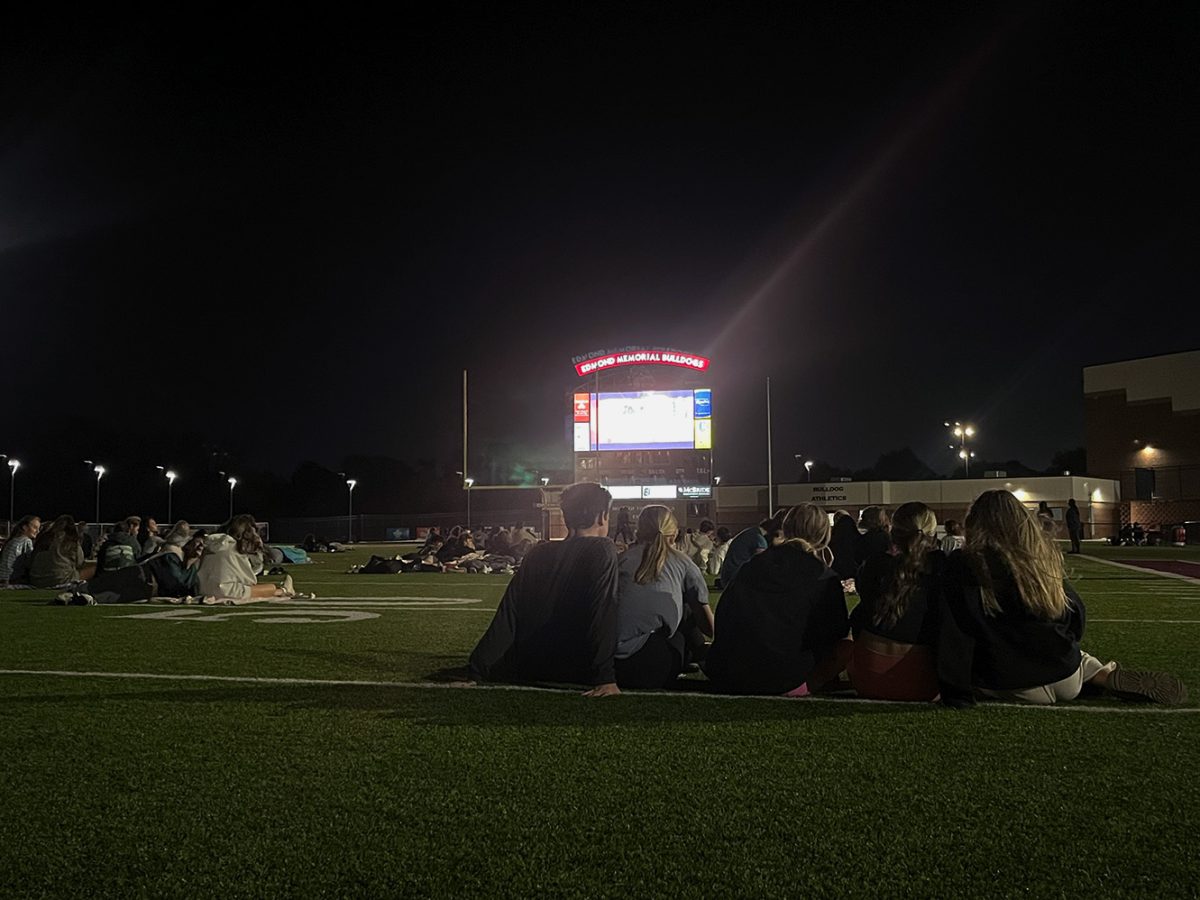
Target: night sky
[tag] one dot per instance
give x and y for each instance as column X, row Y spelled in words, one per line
column 290, row 234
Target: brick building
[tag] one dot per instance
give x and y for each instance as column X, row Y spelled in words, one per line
column 1142, row 420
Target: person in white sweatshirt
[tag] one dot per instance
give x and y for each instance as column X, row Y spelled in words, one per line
column 232, row 561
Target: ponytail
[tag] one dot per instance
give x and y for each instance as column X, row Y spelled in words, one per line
column 913, row 532
column 656, row 530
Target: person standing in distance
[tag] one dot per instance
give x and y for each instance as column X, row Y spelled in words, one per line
column 1074, row 526
column 557, row 621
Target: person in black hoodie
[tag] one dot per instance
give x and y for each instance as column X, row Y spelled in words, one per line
column 1014, row 623
column 895, row 624
column 780, row 624
column 843, row 543
column 876, row 538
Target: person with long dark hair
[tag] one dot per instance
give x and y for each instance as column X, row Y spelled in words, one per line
column 1017, row 621
column 895, row 624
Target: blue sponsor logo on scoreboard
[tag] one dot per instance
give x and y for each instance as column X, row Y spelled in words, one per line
column 703, row 407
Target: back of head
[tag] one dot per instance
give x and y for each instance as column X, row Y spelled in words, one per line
column 874, row 517
column 52, row 535
column 584, row 504
column 707, row 526
column 953, row 527
column 807, row 524
column 914, row 534
column 180, row 534
column 245, row 534
column 656, row 530
column 724, row 534
column 999, row 524
column 130, row 525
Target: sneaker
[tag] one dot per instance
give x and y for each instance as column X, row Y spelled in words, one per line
column 304, row 596
column 83, row 600
column 1152, row 687
column 62, row 599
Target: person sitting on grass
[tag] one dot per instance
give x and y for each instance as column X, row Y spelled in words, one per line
column 1017, row 622
column 843, row 543
column 954, row 538
column 175, row 567
column 716, row 558
column 746, row 544
column 557, row 621
column 148, row 537
column 121, row 549
column 232, row 560
column 57, row 555
column 895, row 624
column 663, row 614
column 18, row 551
column 875, row 537
column 781, row 624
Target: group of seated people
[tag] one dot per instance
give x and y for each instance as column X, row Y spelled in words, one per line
column 494, row 548
column 180, row 563
column 995, row 617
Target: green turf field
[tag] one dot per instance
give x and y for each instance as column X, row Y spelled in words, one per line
column 367, row 774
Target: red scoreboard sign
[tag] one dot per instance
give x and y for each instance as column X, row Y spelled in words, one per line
column 640, row 358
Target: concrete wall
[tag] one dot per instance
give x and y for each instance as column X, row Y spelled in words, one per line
column 1098, row 498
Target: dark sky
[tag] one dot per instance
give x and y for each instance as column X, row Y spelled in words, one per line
column 291, row 233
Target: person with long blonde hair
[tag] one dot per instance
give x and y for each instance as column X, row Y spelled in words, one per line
column 781, row 624
column 663, row 614
column 895, row 624
column 1017, row 622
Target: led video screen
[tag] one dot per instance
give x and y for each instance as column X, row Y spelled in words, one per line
column 644, row 420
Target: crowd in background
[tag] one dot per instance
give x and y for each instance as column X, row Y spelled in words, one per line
column 136, row 560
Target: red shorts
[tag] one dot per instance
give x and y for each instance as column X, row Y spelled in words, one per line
column 888, row 670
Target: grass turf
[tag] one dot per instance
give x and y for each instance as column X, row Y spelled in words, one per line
column 130, row 786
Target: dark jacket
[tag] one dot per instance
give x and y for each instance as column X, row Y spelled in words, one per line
column 872, row 543
column 843, row 542
column 173, row 578
column 1010, row 650
column 783, row 612
column 919, row 624
column 118, row 551
column 557, row 621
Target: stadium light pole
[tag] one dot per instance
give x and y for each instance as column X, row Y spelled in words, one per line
column 350, row 483
column 808, row 464
column 469, row 482
column 171, row 476
column 13, row 465
column 964, row 433
column 99, row 470
column 232, row 485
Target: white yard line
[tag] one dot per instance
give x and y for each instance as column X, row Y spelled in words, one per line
column 433, row 685
column 1151, row 572
column 1150, row 621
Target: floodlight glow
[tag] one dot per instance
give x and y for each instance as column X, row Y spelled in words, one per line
column 232, row 482
column 469, row 481
column 958, row 432
column 808, row 464
column 14, row 464
column 171, row 476
column 99, row 470
column 351, row 482
column 970, row 432
column 962, row 454
column 1020, row 494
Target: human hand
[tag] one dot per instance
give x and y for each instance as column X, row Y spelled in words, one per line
column 603, row 690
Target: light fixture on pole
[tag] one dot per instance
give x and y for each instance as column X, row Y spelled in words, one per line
column 469, row 482
column 808, row 464
column 13, row 465
column 964, row 433
column 171, row 476
column 99, row 470
column 350, row 483
column 545, row 481
column 232, row 485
